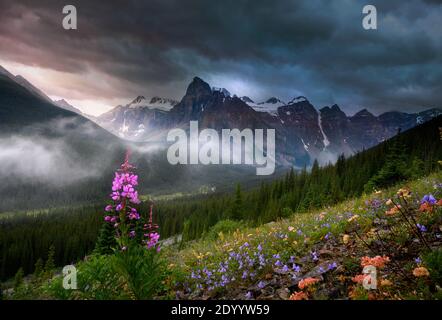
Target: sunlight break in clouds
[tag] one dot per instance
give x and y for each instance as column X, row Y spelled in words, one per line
column 92, row 92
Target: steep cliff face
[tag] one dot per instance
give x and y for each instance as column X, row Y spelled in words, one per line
column 302, row 132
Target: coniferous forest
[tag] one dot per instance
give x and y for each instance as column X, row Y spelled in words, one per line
column 26, row 238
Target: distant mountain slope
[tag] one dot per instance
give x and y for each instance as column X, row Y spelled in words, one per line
column 303, row 132
column 54, row 157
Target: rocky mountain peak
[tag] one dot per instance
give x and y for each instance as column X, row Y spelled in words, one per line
column 198, row 87
column 138, row 100
column 364, row 113
column 273, row 100
column 224, row 91
column 298, row 100
column 246, row 99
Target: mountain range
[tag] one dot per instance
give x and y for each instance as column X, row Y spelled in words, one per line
column 51, row 156
column 303, row 133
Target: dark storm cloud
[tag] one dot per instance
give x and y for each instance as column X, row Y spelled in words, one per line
column 284, row 48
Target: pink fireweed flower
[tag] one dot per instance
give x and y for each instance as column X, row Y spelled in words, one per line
column 153, row 240
column 115, row 196
column 125, row 220
column 134, row 216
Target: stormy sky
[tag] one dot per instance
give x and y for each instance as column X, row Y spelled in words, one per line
column 256, row 48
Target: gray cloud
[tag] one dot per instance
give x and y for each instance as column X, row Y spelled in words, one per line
column 260, row 48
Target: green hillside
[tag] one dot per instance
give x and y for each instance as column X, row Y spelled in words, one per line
column 307, row 236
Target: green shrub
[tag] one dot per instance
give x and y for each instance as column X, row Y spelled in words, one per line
column 142, row 270
column 133, row 274
column 225, row 227
column 433, row 261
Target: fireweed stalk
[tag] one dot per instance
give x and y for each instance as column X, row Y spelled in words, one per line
column 123, row 214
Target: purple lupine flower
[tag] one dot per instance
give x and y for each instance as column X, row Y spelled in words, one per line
column 418, row 260
column 429, row 198
column 332, row 266
column 421, row 227
column 296, row 268
column 261, row 284
column 314, row 256
column 285, row 269
column 249, row 295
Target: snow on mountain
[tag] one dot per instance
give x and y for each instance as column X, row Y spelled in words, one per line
column 222, row 90
column 271, row 105
column 297, row 100
column 163, row 104
column 247, row 99
column 325, row 140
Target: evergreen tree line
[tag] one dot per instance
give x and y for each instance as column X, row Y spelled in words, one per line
column 409, row 155
column 75, row 231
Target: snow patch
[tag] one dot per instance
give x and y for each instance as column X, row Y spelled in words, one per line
column 298, row 99
column 325, row 139
column 305, row 146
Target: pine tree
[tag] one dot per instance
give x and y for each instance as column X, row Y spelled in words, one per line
column 237, row 213
column 394, row 168
column 18, row 279
column 38, row 269
column 50, row 262
column 106, row 240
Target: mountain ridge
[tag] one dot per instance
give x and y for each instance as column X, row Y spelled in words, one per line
column 304, row 133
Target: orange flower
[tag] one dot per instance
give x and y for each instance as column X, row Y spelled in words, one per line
column 439, row 203
column 298, row 296
column 359, row 278
column 393, row 210
column 426, row 207
column 307, row 282
column 378, row 261
column 421, row 272
column 386, row 283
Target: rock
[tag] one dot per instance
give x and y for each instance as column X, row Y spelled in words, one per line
column 283, row 293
